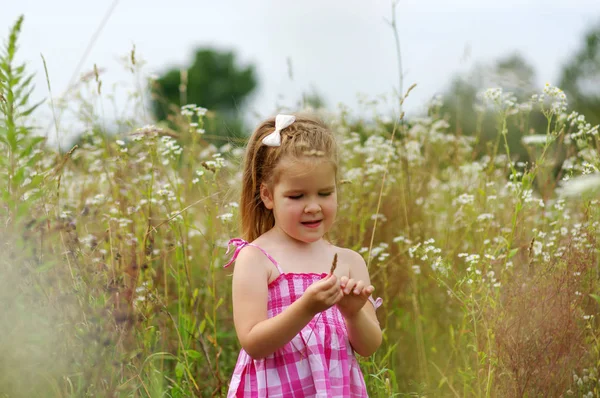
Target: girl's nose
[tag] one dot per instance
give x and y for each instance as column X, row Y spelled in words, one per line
column 312, row 208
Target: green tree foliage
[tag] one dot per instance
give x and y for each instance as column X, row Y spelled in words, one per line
column 581, row 76
column 460, row 102
column 214, row 81
column 313, row 99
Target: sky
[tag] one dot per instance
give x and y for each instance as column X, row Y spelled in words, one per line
column 340, row 48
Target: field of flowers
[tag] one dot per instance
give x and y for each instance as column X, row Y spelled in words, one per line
column 112, row 250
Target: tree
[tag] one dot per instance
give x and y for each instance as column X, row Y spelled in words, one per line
column 513, row 74
column 313, row 99
column 213, row 81
column 581, row 77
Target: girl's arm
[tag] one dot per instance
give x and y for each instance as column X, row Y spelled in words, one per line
column 363, row 327
column 259, row 335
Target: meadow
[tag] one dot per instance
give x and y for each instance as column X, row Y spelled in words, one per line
column 112, row 249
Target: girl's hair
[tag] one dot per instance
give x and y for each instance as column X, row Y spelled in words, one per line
column 306, row 137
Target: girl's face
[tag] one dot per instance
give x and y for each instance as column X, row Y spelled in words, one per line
column 304, row 200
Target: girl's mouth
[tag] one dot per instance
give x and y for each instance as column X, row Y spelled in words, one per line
column 312, row 224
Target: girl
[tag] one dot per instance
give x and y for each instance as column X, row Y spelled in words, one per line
column 299, row 314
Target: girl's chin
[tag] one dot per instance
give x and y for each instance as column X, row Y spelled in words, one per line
column 303, row 233
column 306, row 238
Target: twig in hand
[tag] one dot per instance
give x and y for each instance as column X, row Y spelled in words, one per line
column 334, row 264
column 333, row 267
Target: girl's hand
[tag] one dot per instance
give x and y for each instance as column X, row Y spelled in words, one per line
column 355, row 296
column 322, row 294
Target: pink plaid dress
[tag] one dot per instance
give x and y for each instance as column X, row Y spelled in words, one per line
column 318, row 362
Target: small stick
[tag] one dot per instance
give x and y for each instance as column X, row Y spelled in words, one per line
column 333, row 267
column 334, row 264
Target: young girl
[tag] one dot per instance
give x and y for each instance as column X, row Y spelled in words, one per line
column 302, row 307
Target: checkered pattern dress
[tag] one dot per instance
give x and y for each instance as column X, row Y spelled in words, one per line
column 318, row 362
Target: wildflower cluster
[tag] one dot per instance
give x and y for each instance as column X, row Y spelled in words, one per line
column 428, row 253
column 195, row 117
column 503, row 102
column 553, row 100
column 145, row 219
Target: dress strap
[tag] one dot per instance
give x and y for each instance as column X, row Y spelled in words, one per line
column 239, row 245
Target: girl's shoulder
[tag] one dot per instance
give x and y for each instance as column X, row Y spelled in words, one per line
column 253, row 258
column 348, row 254
column 356, row 263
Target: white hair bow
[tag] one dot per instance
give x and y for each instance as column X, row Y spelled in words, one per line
column 281, row 122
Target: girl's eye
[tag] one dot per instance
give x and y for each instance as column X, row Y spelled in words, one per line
column 325, row 193
column 295, row 197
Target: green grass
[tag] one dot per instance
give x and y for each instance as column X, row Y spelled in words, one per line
column 112, row 281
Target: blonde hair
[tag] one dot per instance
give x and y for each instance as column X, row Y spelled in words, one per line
column 306, row 137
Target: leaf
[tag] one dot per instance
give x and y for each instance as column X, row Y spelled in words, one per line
column 202, row 326
column 512, row 253
column 11, row 138
column 23, row 95
column 193, row 354
column 2, row 136
column 443, row 381
column 19, row 176
column 24, row 207
column 29, row 147
column 219, row 303
column 24, row 84
column 179, row 370
column 19, row 69
column 35, row 181
column 31, row 109
column 595, row 297
column 11, row 47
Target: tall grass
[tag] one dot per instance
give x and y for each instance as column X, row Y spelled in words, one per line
column 111, row 270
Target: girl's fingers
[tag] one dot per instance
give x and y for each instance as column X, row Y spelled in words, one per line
column 343, row 281
column 366, row 292
column 358, row 289
column 335, row 296
column 329, row 281
column 349, row 286
column 333, row 290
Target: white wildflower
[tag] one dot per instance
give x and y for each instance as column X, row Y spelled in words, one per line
column 225, row 217
column 537, row 248
column 536, row 139
column 579, row 186
column 464, row 199
column 485, row 216
column 380, row 217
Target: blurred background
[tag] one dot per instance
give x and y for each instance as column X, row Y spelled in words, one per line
column 247, row 60
column 110, row 274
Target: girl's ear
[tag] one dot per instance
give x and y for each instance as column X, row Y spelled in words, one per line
column 266, row 196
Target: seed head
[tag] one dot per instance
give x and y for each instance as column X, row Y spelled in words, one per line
column 334, row 263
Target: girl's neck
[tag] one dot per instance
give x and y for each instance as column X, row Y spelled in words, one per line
column 297, row 256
